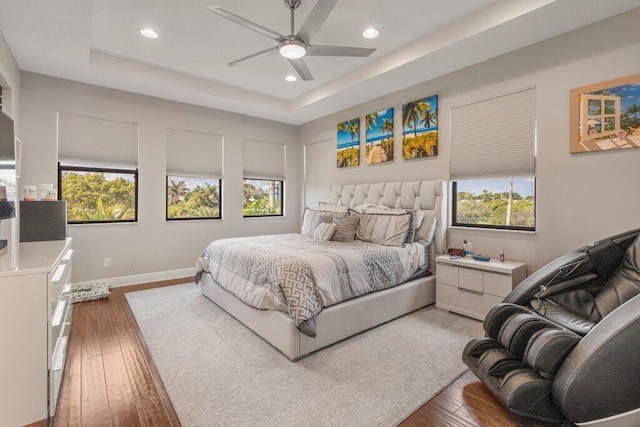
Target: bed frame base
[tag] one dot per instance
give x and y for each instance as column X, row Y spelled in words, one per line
column 333, row 324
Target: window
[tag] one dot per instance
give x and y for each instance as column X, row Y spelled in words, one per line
column 194, row 175
column 98, row 169
column 98, row 195
column 264, row 170
column 492, row 162
column 262, row 198
column 495, row 203
column 193, row 198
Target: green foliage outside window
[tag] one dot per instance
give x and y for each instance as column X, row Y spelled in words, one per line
column 262, row 198
column 98, row 196
column 192, row 198
column 492, row 207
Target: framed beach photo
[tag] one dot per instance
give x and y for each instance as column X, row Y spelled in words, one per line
column 420, row 128
column 605, row 116
column 379, row 142
column 348, row 141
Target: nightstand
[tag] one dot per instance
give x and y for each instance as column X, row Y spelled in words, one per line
column 471, row 287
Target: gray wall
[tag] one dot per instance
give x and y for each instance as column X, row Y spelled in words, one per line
column 580, row 198
column 152, row 244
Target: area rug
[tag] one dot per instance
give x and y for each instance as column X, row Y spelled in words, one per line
column 217, row 372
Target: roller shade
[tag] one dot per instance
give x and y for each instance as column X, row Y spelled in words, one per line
column 96, row 141
column 494, row 138
column 194, row 154
column 264, row 160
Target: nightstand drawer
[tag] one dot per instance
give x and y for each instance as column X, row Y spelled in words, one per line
column 447, row 274
column 497, row 284
column 471, row 280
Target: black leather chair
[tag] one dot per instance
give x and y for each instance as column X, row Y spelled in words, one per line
column 565, row 344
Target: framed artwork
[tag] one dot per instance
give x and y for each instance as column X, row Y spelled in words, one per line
column 420, row 128
column 348, row 140
column 605, row 116
column 379, row 142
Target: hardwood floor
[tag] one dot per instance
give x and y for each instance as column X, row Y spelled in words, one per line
column 110, row 378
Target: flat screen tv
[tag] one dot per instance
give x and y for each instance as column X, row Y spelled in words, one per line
column 7, row 166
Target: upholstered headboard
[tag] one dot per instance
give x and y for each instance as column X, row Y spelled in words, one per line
column 425, row 195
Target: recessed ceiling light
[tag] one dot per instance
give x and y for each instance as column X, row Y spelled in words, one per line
column 148, row 32
column 291, row 78
column 370, row 33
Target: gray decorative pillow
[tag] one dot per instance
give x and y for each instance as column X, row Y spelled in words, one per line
column 324, row 232
column 388, row 230
column 311, row 219
column 345, row 227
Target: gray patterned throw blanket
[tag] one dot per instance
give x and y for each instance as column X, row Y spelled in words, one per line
column 301, row 276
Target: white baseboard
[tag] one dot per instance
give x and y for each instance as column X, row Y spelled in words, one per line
column 140, row 279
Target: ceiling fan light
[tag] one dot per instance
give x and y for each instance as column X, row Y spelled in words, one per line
column 292, row 50
column 148, row 32
column 370, row 33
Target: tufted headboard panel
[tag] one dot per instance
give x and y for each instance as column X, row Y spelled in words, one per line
column 424, row 195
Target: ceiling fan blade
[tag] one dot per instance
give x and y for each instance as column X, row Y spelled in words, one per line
column 316, row 18
column 301, row 68
column 257, row 55
column 244, row 22
column 319, row 50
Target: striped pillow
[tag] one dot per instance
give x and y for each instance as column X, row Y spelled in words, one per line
column 324, row 231
column 388, row 230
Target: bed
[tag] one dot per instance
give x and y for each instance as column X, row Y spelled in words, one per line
column 318, row 318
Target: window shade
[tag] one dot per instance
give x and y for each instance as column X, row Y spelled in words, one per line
column 494, row 138
column 97, row 142
column 264, row 160
column 194, row 154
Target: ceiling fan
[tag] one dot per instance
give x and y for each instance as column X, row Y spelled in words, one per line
column 294, row 46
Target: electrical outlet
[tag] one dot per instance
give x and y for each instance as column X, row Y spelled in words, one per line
column 107, row 262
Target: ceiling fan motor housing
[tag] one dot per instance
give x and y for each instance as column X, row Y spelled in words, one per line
column 292, row 4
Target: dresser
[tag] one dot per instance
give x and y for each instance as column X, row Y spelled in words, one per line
column 471, row 287
column 35, row 318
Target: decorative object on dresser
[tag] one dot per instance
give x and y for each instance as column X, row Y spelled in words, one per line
column 470, row 287
column 44, row 220
column 35, row 319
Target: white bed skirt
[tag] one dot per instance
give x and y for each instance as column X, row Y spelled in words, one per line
column 333, row 324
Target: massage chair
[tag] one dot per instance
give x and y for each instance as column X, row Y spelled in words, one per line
column 564, row 345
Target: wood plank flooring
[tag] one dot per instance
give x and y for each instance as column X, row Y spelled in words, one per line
column 110, row 378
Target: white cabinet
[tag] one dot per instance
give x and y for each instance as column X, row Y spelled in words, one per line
column 35, row 318
column 471, row 287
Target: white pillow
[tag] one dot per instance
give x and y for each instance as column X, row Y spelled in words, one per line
column 427, row 230
column 324, row 231
column 327, row 207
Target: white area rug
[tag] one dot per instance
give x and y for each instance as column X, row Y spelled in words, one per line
column 217, row 372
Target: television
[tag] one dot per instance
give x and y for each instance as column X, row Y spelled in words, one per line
column 7, row 167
